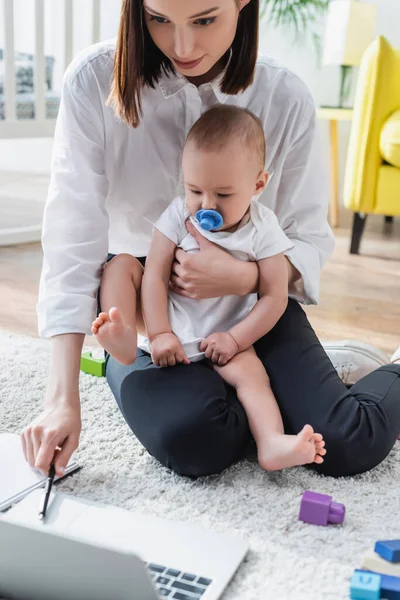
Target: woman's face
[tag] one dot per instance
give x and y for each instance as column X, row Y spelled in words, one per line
column 193, row 34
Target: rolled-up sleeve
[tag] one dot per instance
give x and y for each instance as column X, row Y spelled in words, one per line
column 302, row 206
column 75, row 224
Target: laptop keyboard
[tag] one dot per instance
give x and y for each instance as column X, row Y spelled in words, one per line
column 177, row 585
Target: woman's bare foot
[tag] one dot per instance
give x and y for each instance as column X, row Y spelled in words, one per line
column 115, row 337
column 281, row 451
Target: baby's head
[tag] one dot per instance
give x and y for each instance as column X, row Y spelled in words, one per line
column 223, row 162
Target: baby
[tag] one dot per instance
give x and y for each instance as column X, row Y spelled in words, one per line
column 223, row 166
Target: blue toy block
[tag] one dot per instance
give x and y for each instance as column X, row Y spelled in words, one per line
column 389, row 550
column 365, row 586
column 390, row 586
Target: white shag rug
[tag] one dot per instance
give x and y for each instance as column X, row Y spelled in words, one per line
column 288, row 560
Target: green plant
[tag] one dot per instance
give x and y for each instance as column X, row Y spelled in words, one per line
column 297, row 15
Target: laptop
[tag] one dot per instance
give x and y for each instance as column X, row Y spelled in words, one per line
column 90, row 551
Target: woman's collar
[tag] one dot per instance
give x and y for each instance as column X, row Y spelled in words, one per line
column 173, row 83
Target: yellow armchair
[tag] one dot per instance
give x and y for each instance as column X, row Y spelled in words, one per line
column 372, row 177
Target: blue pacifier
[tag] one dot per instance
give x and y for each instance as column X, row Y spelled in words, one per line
column 209, row 219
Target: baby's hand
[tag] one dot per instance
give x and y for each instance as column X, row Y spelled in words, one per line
column 219, row 348
column 167, row 351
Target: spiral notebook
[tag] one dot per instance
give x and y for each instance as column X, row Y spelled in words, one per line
column 17, row 478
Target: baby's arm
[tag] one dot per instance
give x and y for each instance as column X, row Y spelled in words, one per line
column 220, row 347
column 273, row 291
column 166, row 348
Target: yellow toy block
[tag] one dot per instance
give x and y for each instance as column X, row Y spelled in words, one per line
column 373, row 562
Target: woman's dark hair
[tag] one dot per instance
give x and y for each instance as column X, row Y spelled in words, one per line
column 139, row 62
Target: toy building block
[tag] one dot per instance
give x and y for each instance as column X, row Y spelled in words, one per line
column 92, row 365
column 365, row 586
column 390, row 586
column 389, row 550
column 373, row 562
column 318, row 509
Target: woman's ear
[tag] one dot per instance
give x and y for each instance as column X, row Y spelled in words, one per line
column 261, row 183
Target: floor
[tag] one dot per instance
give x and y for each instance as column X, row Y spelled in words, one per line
column 359, row 294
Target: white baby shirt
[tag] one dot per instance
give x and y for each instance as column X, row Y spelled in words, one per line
column 259, row 236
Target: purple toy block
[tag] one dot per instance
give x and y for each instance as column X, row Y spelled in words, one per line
column 318, row 509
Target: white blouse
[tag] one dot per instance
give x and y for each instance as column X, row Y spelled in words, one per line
column 110, row 182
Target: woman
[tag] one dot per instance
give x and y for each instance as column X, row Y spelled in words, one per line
column 123, row 119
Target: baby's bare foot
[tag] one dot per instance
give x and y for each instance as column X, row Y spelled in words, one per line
column 115, row 337
column 282, row 451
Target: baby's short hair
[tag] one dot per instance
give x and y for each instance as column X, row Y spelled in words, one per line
column 223, row 123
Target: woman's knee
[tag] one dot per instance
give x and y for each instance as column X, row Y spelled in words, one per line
column 193, row 439
column 355, row 451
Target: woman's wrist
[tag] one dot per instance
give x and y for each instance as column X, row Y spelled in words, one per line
column 246, row 276
column 61, row 393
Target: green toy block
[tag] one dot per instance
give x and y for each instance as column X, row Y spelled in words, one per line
column 93, row 366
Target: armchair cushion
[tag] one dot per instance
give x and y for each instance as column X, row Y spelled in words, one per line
column 390, row 140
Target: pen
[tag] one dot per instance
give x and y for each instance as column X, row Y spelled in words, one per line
column 47, row 491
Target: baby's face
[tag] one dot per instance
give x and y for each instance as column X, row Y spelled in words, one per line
column 224, row 181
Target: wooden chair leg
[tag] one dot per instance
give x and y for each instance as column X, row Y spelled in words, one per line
column 358, row 228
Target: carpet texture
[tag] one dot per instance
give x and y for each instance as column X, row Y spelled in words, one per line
column 287, row 560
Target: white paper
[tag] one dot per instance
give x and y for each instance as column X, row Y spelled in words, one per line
column 15, row 473
column 16, row 476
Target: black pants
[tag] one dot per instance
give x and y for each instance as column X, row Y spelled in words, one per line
column 191, row 421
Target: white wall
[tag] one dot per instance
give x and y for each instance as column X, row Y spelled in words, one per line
column 302, row 58
column 34, row 155
column 324, row 81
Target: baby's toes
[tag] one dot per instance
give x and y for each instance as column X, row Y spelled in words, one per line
column 318, row 437
column 318, row 459
column 320, row 451
column 306, row 434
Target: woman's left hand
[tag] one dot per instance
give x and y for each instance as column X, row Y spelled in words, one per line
column 209, row 273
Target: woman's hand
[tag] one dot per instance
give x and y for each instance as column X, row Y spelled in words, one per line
column 167, row 351
column 219, row 348
column 212, row 272
column 58, row 426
